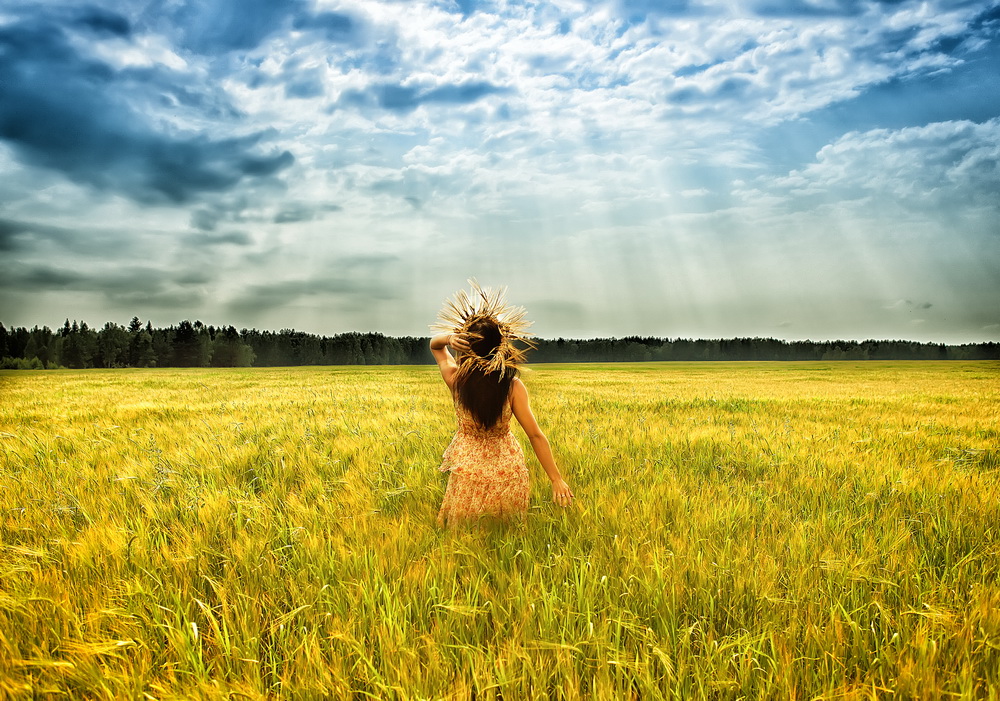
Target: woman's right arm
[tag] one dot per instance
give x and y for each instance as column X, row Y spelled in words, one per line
column 561, row 493
column 446, row 363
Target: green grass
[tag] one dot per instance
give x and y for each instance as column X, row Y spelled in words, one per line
column 744, row 530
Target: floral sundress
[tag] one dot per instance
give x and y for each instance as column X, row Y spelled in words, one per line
column 488, row 474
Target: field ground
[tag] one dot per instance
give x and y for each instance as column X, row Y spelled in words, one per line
column 744, row 530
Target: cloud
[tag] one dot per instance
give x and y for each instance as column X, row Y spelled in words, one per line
column 294, row 213
column 101, row 21
column 348, row 278
column 205, row 219
column 43, row 277
column 941, row 164
column 19, row 236
column 908, row 305
column 69, row 113
column 406, row 98
column 464, row 7
column 418, row 185
column 236, row 238
column 640, row 10
column 132, row 285
column 333, row 26
column 306, row 84
column 15, row 234
column 731, row 88
column 807, row 8
column 220, row 26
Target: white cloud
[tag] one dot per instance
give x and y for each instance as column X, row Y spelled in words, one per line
column 940, row 164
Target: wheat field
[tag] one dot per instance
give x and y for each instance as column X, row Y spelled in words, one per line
column 742, row 531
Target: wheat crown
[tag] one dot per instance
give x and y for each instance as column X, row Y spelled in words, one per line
column 465, row 308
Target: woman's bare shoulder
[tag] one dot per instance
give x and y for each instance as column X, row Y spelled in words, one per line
column 518, row 390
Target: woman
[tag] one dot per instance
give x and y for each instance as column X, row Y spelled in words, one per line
column 488, row 475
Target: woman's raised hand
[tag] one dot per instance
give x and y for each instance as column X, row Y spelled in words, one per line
column 561, row 493
column 460, row 342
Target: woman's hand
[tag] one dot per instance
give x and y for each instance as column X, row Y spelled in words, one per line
column 460, row 342
column 561, row 493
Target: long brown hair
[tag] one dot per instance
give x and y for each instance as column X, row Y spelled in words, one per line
column 483, row 393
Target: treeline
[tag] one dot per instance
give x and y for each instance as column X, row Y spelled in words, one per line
column 644, row 349
column 76, row 345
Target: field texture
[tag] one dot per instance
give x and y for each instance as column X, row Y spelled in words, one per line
column 813, row 530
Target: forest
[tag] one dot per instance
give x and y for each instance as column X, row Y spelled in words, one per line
column 193, row 344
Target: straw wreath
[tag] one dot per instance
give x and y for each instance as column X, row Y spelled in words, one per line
column 465, row 308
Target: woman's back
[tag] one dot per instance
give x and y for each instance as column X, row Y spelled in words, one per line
column 468, row 425
column 489, row 476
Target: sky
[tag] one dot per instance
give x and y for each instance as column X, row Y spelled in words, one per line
column 797, row 169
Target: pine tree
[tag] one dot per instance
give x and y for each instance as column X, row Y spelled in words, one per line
column 186, row 345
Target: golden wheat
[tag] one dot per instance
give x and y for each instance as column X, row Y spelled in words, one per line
column 813, row 530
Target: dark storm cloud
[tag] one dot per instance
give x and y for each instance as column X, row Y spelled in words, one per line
column 216, row 27
column 400, row 98
column 153, row 89
column 17, row 235
column 220, row 26
column 24, row 236
column 39, row 278
column 65, row 112
column 989, row 17
column 122, row 284
column 88, row 18
column 101, row 21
